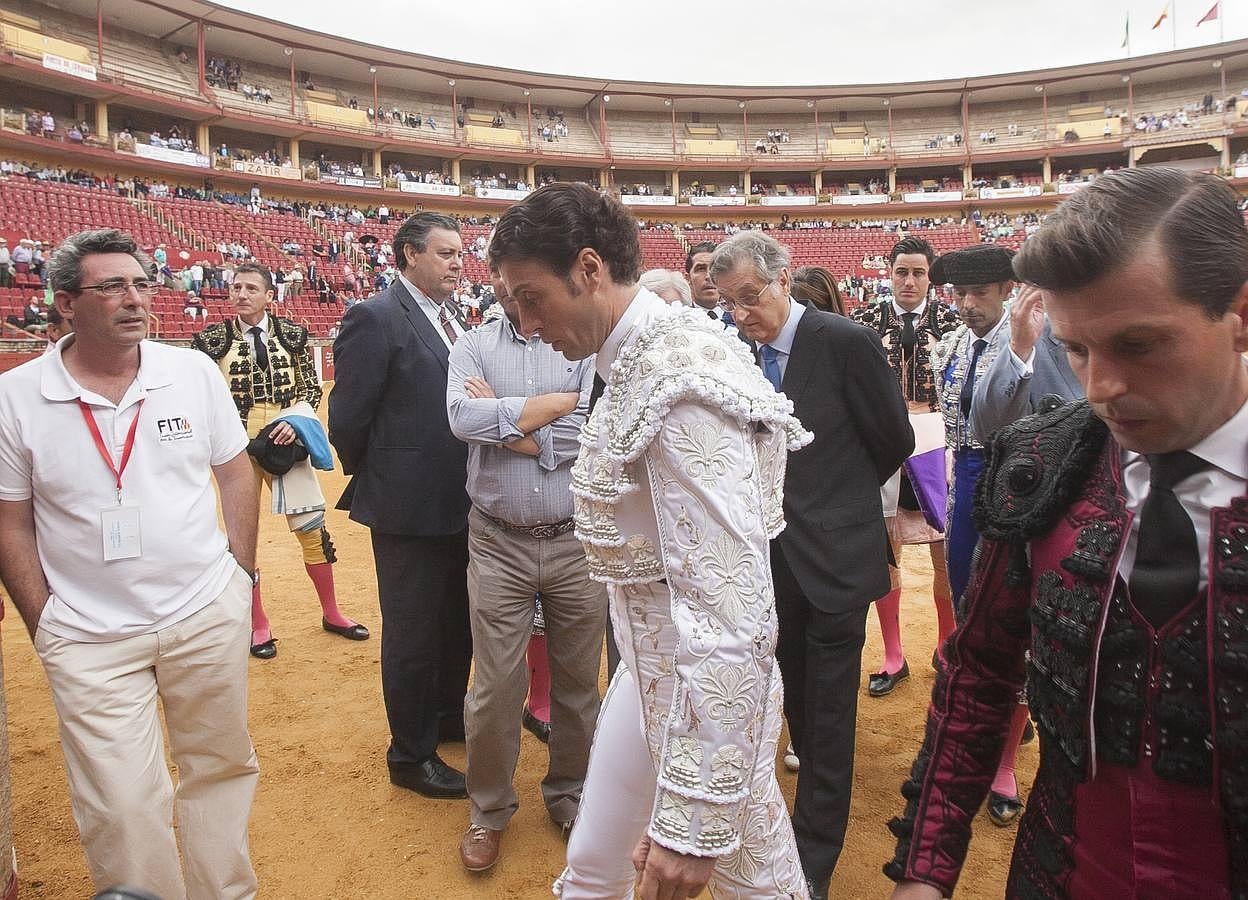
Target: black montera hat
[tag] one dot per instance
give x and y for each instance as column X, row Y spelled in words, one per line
column 980, row 264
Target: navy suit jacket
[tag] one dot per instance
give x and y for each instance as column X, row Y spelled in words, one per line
column 843, row 391
column 388, row 422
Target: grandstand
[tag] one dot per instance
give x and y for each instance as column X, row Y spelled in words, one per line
column 334, row 130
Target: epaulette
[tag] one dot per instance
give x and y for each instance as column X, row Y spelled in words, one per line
column 871, row 317
column 1035, row 469
column 214, row 340
column 291, row 336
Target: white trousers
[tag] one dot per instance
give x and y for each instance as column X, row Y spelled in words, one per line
column 119, row 785
column 619, row 797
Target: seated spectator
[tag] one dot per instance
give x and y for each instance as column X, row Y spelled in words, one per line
column 33, row 320
column 669, row 285
column 74, row 135
column 47, row 124
column 193, row 306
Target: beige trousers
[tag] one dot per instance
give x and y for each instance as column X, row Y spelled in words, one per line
column 119, row 785
column 505, row 570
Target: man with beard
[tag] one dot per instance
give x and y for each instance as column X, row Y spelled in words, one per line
column 677, row 490
column 909, row 325
column 1113, row 575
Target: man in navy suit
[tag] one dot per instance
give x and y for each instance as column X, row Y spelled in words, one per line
column 1034, row 367
column 831, row 560
column 388, row 422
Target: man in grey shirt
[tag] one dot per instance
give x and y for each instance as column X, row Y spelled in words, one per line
column 520, row 405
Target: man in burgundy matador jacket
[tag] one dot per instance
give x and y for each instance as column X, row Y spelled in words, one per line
column 1112, row 575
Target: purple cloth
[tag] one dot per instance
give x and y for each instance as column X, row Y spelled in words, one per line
column 926, row 472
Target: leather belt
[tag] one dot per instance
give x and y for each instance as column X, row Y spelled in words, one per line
column 534, row 531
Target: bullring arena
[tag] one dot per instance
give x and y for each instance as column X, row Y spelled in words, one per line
column 202, row 130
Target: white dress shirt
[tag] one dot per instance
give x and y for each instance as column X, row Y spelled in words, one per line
column 783, row 344
column 1226, row 450
column 432, row 312
column 263, row 336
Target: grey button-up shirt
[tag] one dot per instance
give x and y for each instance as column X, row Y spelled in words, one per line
column 523, row 490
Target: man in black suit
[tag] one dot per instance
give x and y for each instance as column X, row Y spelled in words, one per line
column 388, row 422
column 831, row 561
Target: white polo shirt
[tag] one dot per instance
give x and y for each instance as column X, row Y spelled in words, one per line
column 188, row 423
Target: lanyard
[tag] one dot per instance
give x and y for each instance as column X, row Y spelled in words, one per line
column 99, row 442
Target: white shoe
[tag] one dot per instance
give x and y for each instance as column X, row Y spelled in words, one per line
column 791, row 762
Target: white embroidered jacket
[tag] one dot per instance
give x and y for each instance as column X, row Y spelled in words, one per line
column 681, row 479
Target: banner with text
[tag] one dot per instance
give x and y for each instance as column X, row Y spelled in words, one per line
column 931, row 196
column 858, row 199
column 366, row 181
column 501, row 193
column 1241, row 171
column 647, row 200
column 255, row 167
column 717, row 201
column 165, row 154
column 69, row 66
column 419, row 187
column 1030, row 190
column 1069, row 187
column 787, row 200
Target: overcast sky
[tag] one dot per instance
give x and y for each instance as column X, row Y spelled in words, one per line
column 783, row 42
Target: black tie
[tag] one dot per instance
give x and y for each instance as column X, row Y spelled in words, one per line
column 712, row 314
column 1167, row 561
column 908, row 338
column 262, row 352
column 968, row 386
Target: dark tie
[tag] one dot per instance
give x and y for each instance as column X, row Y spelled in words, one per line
column 444, row 318
column 771, row 364
column 1167, row 561
column 262, row 352
column 968, row 386
column 728, row 319
column 908, row 338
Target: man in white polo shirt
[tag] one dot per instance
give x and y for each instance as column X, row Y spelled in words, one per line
column 110, row 550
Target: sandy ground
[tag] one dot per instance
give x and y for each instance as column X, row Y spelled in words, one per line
column 328, row 823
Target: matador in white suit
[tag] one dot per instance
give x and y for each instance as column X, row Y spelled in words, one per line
column 678, row 491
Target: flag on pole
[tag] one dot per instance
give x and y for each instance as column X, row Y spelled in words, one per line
column 1211, row 15
column 1126, row 32
column 1165, row 14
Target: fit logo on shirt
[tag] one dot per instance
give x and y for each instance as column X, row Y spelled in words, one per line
column 174, row 428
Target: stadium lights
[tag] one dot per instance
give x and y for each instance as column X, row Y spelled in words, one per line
column 810, row 104
column 667, row 101
column 886, row 101
column 1039, row 89
column 527, row 92
column 451, row 82
column 606, row 98
column 1217, row 63
column 288, row 50
column 1126, row 78
column 740, row 104
column 372, row 70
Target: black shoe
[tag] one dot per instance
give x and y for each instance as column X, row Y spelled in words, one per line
column 267, row 650
column 1003, row 810
column 431, row 778
column 882, row 683
column 350, row 632
column 536, row 727
column 1029, row 733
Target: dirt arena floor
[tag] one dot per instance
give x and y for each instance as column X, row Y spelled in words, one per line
column 327, row 823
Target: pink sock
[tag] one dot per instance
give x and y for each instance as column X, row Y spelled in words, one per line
column 944, row 617
column 539, row 678
column 259, row 621
column 1005, row 784
column 888, row 608
column 322, row 575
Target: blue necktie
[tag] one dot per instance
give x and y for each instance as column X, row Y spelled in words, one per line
column 727, row 318
column 771, row 364
column 968, row 386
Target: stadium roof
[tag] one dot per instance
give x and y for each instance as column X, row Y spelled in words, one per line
column 248, row 35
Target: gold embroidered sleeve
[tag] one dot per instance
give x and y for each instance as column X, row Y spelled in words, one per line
column 710, row 505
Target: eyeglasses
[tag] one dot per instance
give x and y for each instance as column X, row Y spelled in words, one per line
column 728, row 305
column 119, row 287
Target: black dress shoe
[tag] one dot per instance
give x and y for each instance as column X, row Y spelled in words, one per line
column 350, row 632
column 1029, row 733
column 267, row 650
column 431, row 777
column 882, row 683
column 1003, row 810
column 536, row 727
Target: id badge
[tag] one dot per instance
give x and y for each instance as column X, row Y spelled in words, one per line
column 120, row 528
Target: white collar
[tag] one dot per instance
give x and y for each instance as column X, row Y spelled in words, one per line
column 784, row 340
column 420, row 296
column 991, row 336
column 263, row 325
column 57, row 384
column 643, row 304
column 918, row 310
column 1224, row 448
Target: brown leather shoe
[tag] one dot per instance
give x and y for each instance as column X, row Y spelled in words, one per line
column 478, row 848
